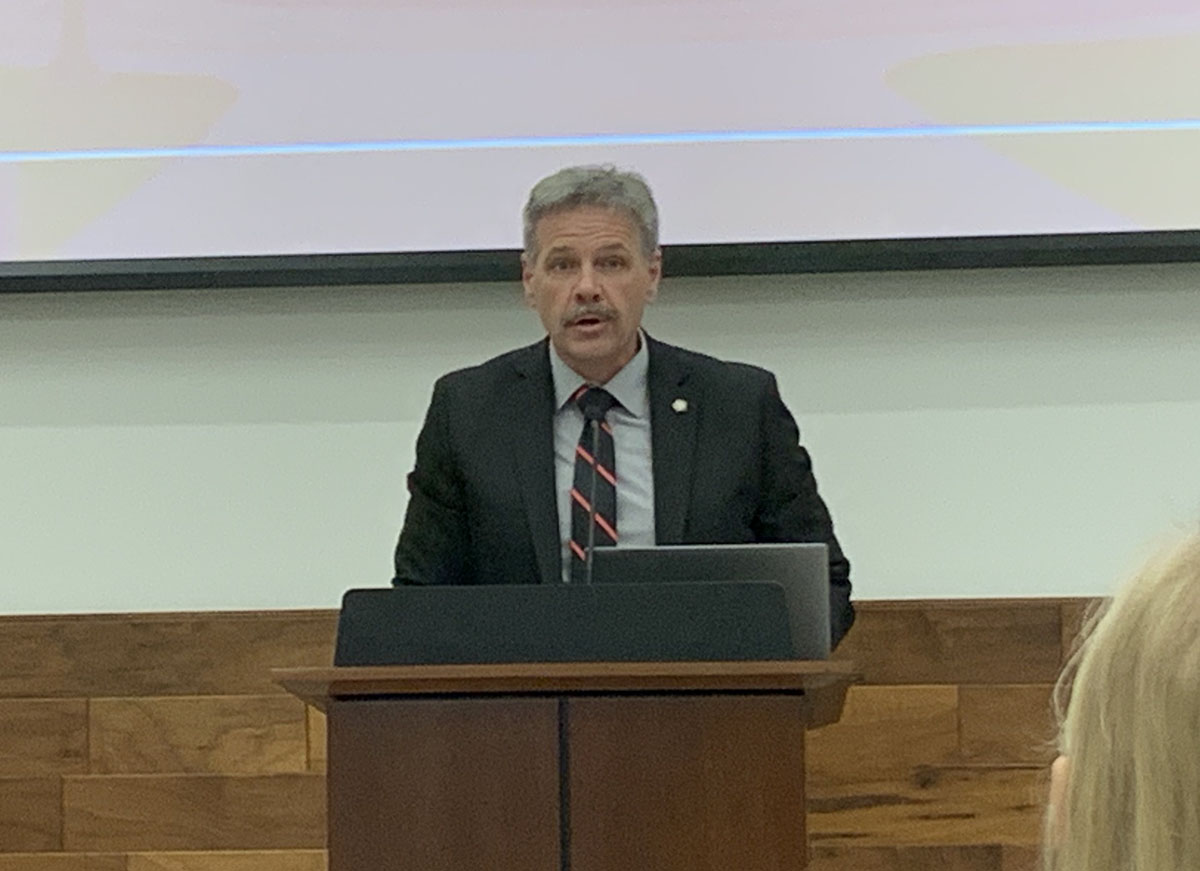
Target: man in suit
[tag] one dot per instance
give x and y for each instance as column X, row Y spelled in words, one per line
column 705, row 452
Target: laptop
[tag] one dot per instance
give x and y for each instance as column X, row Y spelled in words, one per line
column 802, row 569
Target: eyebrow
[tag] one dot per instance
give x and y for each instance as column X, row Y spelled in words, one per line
column 603, row 249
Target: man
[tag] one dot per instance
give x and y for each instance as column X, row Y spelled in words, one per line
column 704, row 451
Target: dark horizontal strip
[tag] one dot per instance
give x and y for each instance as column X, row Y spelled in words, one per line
column 502, row 265
column 571, row 694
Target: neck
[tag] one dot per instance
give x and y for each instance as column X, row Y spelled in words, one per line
column 595, row 372
column 601, row 371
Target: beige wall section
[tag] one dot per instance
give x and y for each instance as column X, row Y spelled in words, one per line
column 976, row 433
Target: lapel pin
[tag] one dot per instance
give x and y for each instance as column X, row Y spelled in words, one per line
column 679, row 406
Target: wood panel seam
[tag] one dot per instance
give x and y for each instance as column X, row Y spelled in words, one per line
column 87, row 735
column 958, row 721
column 308, row 739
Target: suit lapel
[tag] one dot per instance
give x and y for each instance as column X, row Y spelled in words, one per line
column 674, row 418
column 531, row 440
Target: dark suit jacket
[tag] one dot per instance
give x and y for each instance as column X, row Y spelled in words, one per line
column 730, row 469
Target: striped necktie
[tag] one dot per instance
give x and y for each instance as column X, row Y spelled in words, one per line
column 595, row 485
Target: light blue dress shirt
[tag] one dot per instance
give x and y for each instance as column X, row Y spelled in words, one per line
column 630, row 422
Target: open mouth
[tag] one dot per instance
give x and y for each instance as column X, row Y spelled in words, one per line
column 588, row 320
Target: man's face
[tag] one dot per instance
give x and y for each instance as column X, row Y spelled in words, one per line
column 589, row 284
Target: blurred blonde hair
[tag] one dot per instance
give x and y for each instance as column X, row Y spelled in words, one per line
column 1131, row 728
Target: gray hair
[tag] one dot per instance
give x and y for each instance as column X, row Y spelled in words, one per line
column 604, row 186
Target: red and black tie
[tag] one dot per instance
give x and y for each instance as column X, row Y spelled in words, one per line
column 595, row 484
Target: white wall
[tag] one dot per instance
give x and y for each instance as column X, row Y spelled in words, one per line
column 984, row 433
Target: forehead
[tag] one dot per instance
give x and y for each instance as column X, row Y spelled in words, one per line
column 587, row 228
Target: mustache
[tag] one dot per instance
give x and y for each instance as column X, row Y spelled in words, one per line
column 588, row 310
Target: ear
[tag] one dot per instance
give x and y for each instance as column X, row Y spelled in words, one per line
column 527, row 280
column 1056, row 806
column 655, row 274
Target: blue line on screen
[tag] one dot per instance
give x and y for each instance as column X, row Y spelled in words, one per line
column 615, row 139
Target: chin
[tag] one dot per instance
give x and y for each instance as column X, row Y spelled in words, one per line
column 589, row 349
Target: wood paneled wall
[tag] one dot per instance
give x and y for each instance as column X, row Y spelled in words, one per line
column 158, row 742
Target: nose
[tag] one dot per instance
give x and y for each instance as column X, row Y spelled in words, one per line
column 587, row 289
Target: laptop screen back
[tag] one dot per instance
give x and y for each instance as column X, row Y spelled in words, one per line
column 802, row 570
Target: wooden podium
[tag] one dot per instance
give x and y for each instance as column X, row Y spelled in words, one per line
column 618, row 766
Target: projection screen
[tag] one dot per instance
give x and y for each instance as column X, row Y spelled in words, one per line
column 170, row 131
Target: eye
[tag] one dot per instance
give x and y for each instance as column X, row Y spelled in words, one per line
column 611, row 263
column 559, row 264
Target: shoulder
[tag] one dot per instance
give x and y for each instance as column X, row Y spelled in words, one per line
column 712, row 371
column 528, row 361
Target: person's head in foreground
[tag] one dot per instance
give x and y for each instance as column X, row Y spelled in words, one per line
column 1125, row 794
column 591, row 264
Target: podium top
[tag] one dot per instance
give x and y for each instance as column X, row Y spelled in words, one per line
column 823, row 684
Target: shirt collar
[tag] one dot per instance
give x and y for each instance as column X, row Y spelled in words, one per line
column 628, row 386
